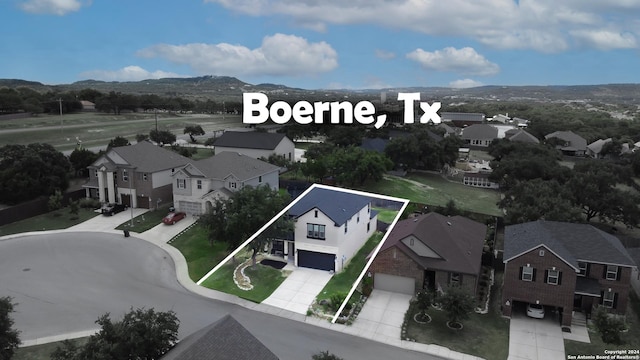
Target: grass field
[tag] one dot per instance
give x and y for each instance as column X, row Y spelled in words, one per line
column 201, row 256
column 95, row 129
column 54, row 220
column 432, row 189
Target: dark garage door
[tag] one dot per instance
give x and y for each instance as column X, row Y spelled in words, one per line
column 316, row 260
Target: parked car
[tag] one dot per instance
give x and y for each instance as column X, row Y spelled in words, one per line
column 173, row 217
column 535, row 311
column 110, row 209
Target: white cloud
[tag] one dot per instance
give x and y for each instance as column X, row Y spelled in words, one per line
column 541, row 25
column 464, row 83
column 55, row 7
column 605, row 40
column 128, row 73
column 385, row 55
column 464, row 61
column 279, row 55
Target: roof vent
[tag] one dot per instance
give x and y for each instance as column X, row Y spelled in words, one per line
column 449, row 223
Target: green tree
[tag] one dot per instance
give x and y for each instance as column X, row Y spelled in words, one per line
column 55, row 201
column 162, row 137
column 424, row 299
column 74, row 207
column 345, row 135
column 457, row 303
column 27, row 172
column 141, row 137
column 80, row 159
column 403, row 152
column 9, row 337
column 193, row 130
column 118, row 141
column 325, row 355
column 608, row 326
column 539, row 199
column 141, row 334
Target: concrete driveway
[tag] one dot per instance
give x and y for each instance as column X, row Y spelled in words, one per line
column 383, row 314
column 162, row 233
column 107, row 223
column 298, row 290
column 535, row 339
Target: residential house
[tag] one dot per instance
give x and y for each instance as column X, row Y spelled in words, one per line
column 520, row 122
column 136, row 175
column 197, row 185
column 566, row 267
column 225, row 339
column 479, row 135
column 331, row 225
column 505, row 119
column 431, row 251
column 568, row 142
column 635, row 273
column 256, row 144
column 520, row 135
column 462, row 119
column 594, row 149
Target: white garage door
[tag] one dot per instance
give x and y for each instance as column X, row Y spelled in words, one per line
column 190, row 207
column 399, row 284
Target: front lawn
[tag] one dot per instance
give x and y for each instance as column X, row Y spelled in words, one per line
column 145, row 221
column 265, row 281
column 486, row 336
column 343, row 281
column 201, row 256
column 54, row 220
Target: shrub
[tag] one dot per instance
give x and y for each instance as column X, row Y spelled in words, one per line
column 608, row 326
column 335, row 300
column 325, row 355
column 74, row 207
column 89, row 203
column 367, row 286
column 55, row 201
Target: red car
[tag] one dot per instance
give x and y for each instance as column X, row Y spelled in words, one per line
column 173, row 218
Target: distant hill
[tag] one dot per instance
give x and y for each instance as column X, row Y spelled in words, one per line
column 231, row 88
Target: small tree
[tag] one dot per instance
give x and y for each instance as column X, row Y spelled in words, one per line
column 141, row 137
column 162, row 136
column 451, row 209
column 193, row 130
column 9, row 337
column 74, row 207
column 118, row 141
column 424, row 299
column 55, row 201
column 608, row 326
column 457, row 303
column 325, row 355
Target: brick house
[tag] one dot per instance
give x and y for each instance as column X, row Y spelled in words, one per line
column 566, row 266
column 430, row 251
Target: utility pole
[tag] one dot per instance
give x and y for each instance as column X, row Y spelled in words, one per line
column 61, row 119
column 155, row 111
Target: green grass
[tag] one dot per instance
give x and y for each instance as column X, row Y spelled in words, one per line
column 343, row 281
column 200, row 255
column 202, row 153
column 386, row 215
column 630, row 339
column 54, row 220
column 265, row 281
column 41, row 352
column 145, row 221
column 486, row 336
column 432, row 189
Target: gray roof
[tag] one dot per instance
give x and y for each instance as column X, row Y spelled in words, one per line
column 225, row 163
column 480, row 131
column 521, row 136
column 249, row 140
column 225, row 339
column 576, row 142
column 146, row 157
column 338, row 205
column 453, row 116
column 635, row 255
column 596, row 146
column 571, row 242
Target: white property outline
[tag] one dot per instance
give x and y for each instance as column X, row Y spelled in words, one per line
column 404, row 202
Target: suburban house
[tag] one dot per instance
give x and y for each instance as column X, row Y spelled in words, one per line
column 136, row 175
column 520, row 135
column 594, row 149
column 462, row 119
column 635, row 273
column 568, row 142
column 564, row 266
column 505, row 119
column 225, row 339
column 480, row 135
column 331, row 225
column 256, row 144
column 197, row 185
column 431, row 251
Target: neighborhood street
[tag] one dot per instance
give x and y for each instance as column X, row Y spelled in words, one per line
column 63, row 282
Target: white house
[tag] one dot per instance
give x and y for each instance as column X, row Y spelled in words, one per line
column 256, row 144
column 198, row 184
column 331, row 225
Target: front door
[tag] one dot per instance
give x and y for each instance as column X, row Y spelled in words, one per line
column 577, row 302
column 429, row 280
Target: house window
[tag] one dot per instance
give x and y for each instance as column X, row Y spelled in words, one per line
column 553, row 277
column 582, row 266
column 199, row 184
column 315, row 213
column 125, row 175
column 95, row 173
column 454, row 278
column 368, row 208
column 145, row 177
column 315, row 231
column 368, row 226
column 346, row 225
column 608, row 299
column 232, row 184
column 260, row 178
column 358, row 219
column 527, row 273
column 612, row 272
column 181, row 183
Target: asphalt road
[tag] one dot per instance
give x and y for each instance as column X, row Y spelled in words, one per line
column 64, row 282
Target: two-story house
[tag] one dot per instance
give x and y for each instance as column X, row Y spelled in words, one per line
column 256, row 144
column 136, row 175
column 564, row 266
column 331, row 225
column 431, row 251
column 197, row 185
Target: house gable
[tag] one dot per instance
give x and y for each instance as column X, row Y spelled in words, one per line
column 419, row 247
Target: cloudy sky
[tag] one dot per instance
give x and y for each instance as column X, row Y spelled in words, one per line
column 320, row 44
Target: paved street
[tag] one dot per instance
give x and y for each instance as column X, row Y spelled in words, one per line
column 62, row 282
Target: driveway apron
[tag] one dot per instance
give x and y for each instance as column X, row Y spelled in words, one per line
column 535, row 339
column 383, row 314
column 298, row 290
